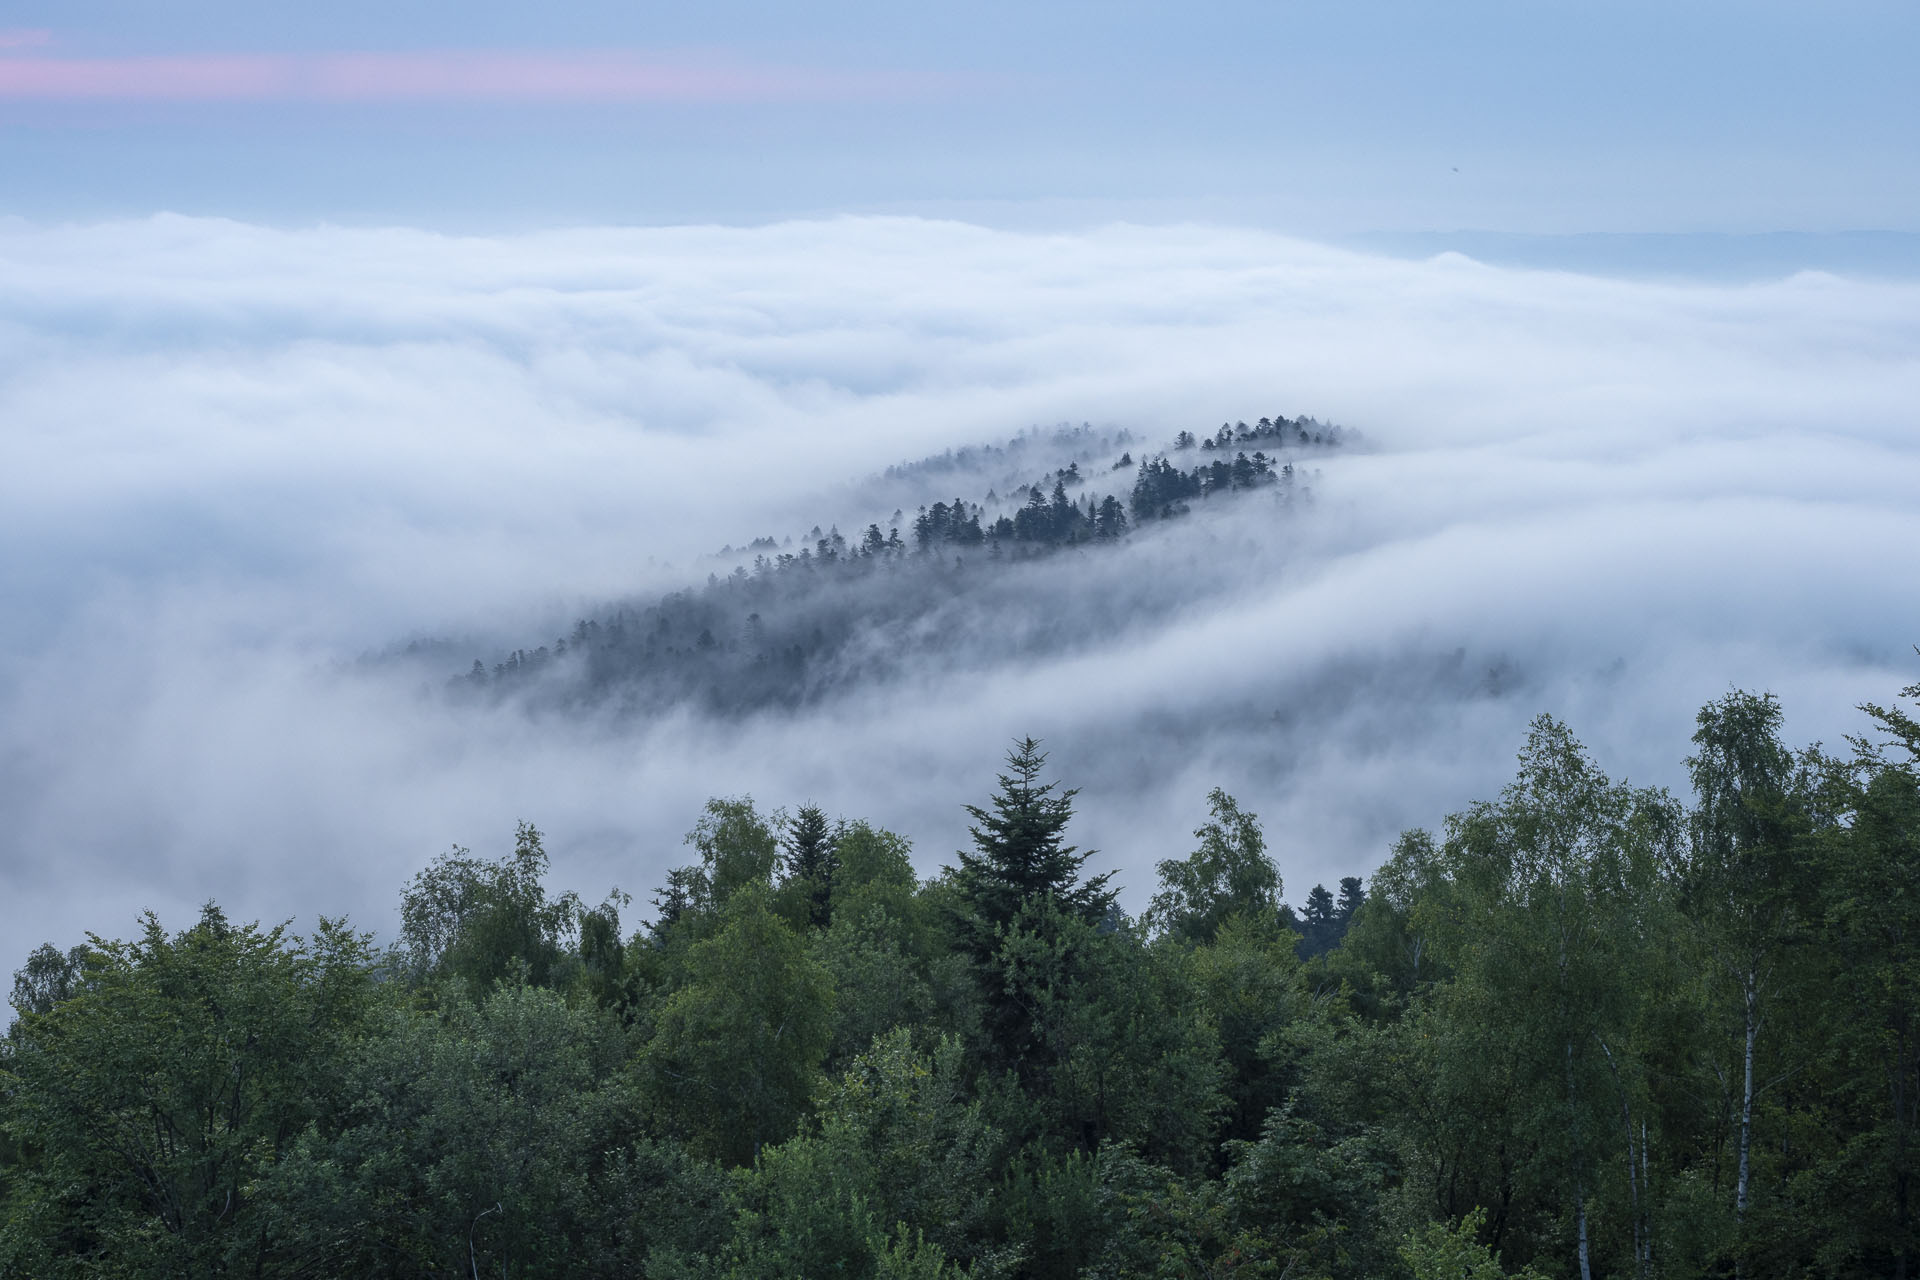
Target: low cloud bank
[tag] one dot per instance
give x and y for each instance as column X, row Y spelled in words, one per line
column 235, row 458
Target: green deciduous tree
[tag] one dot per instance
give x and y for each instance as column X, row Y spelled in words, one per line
column 48, row 977
column 738, row 847
column 1864, row 1187
column 489, row 1138
column 1540, row 933
column 895, row 1142
column 480, row 921
column 1251, row 985
column 151, row 1101
column 738, row 1047
column 1228, row 874
column 1108, row 1037
column 1748, row 877
column 1452, row 1251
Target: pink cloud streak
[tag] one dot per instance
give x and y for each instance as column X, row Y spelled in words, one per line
column 21, row 38
column 432, row 77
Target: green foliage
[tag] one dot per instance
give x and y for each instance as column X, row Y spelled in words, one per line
column 1453, row 1252
column 603, row 955
column 148, row 1104
column 1875, row 906
column 895, row 1142
column 875, row 869
column 1112, row 1042
column 1252, row 984
column 811, row 864
column 48, row 977
column 1053, row 1206
column 1585, row 1032
column 1022, row 913
column 1541, row 932
column 1229, row 874
column 878, row 981
column 479, row 1134
column 738, row 848
column 1309, row 1195
column 1020, row 854
column 481, row 922
column 737, row 1048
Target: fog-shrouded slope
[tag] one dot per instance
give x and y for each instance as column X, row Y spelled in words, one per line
column 1043, row 564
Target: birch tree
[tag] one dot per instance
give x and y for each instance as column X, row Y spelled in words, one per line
column 1541, row 935
column 1747, row 878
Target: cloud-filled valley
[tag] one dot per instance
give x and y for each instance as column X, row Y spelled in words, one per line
column 236, row 459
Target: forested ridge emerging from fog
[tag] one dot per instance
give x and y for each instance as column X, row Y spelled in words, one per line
column 1583, row 1029
column 793, row 622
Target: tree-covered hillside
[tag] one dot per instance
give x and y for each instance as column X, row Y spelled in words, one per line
column 794, row 621
column 1582, row 1029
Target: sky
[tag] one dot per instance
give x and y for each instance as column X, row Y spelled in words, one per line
column 329, row 330
column 1325, row 119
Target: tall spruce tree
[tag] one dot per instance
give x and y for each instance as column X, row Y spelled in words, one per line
column 1320, row 930
column 1351, row 896
column 812, row 860
column 1020, row 852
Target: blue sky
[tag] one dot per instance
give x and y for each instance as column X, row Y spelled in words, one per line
column 1323, row 119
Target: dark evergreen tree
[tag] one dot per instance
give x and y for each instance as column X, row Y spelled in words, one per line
column 704, row 645
column 1351, row 896
column 808, row 843
column 1063, row 517
column 679, row 897
column 1020, row 852
column 1034, row 522
column 1319, row 926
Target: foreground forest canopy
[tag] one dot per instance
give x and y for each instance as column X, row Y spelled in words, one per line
column 1584, row 1029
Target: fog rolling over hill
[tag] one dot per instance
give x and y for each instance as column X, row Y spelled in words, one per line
column 973, row 585
column 239, row 457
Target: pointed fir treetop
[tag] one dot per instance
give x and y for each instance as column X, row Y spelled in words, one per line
column 812, row 859
column 1020, row 851
column 808, row 843
column 1352, row 894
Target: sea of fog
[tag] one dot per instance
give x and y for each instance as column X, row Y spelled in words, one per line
column 235, row 459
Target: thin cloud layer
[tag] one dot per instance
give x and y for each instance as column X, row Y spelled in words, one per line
column 236, row 458
column 475, row 76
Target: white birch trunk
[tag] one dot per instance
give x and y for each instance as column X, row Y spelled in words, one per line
column 1746, row 1121
column 1746, row 1102
column 1646, row 1180
column 1634, row 1165
column 1579, row 1177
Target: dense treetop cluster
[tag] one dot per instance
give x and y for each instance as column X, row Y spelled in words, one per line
column 1584, row 1029
column 794, row 623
